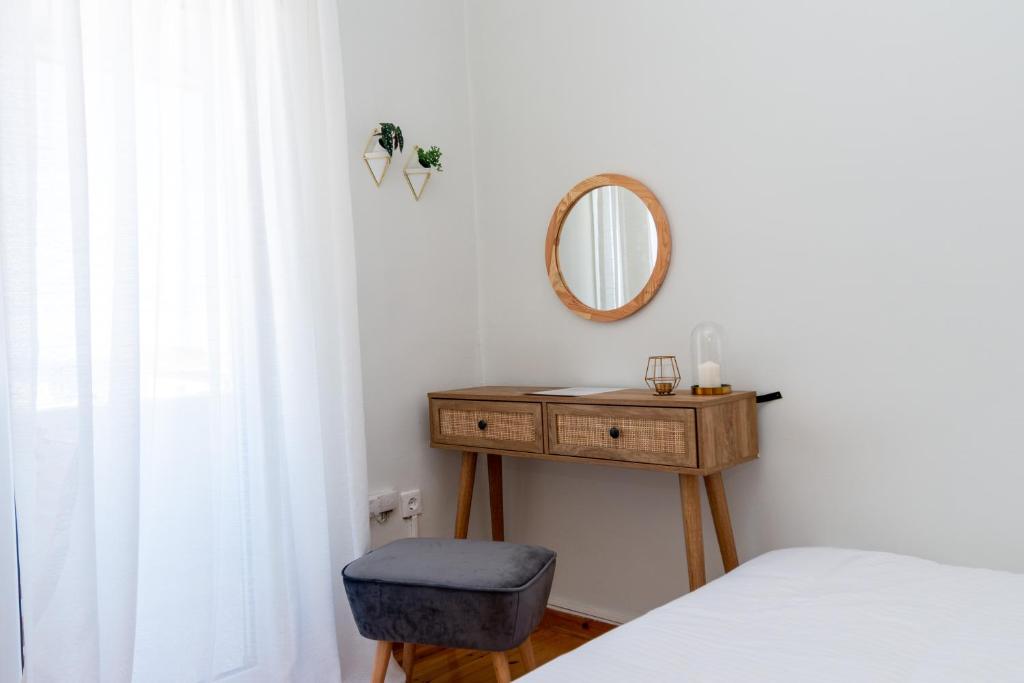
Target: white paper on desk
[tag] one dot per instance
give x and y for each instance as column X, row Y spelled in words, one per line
column 574, row 391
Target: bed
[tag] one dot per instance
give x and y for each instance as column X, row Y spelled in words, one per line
column 819, row 614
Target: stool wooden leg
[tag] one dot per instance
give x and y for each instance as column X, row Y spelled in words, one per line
column 723, row 525
column 501, row 670
column 408, row 660
column 529, row 659
column 465, row 494
column 380, row 661
column 689, row 491
column 497, row 500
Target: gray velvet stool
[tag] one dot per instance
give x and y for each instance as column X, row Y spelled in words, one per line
column 477, row 595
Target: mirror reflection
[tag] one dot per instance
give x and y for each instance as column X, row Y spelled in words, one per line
column 608, row 247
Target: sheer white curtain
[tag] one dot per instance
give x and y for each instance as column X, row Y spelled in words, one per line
column 178, row 335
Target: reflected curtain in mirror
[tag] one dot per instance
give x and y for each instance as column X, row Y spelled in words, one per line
column 608, row 247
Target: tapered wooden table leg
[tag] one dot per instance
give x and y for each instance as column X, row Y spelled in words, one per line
column 529, row 658
column 466, row 480
column 380, row 661
column 501, row 670
column 497, row 501
column 689, row 491
column 723, row 524
column 408, row 660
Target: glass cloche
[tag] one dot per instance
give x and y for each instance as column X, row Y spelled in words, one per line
column 707, row 354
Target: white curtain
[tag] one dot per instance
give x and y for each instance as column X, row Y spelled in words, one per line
column 180, row 361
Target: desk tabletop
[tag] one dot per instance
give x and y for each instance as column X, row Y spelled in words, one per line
column 620, row 397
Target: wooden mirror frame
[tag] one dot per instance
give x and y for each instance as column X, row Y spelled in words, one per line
column 555, row 233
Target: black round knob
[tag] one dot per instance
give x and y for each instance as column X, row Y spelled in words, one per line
column 482, row 424
column 613, row 432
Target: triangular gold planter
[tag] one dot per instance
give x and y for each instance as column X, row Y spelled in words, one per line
column 376, row 159
column 416, row 176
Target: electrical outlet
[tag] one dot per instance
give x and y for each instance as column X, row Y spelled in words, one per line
column 412, row 504
column 383, row 503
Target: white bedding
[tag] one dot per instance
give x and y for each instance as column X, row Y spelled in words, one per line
column 819, row 614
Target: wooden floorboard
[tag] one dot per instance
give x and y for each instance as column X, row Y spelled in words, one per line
column 557, row 634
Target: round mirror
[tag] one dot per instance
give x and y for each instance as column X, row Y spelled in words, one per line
column 608, row 247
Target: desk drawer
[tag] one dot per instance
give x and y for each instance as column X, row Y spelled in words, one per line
column 510, row 425
column 662, row 436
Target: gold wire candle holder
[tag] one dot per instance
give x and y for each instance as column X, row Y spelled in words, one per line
column 662, row 374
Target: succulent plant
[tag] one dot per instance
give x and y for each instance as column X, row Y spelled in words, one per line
column 430, row 157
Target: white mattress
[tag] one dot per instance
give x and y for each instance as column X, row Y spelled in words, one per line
column 819, row 614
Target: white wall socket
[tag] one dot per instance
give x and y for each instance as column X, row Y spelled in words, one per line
column 412, row 503
column 385, row 501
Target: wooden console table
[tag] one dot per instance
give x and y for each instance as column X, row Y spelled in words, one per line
column 692, row 436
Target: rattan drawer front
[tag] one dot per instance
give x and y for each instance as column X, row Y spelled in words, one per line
column 510, row 425
column 663, row 436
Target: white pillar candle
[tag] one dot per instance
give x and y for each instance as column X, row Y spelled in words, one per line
column 709, row 374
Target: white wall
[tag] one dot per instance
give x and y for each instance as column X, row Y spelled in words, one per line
column 844, row 185
column 417, row 263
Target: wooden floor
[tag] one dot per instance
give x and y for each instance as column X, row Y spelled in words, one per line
column 557, row 634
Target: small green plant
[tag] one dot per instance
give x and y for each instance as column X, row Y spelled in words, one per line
column 391, row 138
column 430, row 157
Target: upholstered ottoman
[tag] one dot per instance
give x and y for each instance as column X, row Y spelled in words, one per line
column 478, row 595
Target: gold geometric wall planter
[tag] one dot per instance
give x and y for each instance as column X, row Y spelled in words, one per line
column 415, row 175
column 376, row 159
